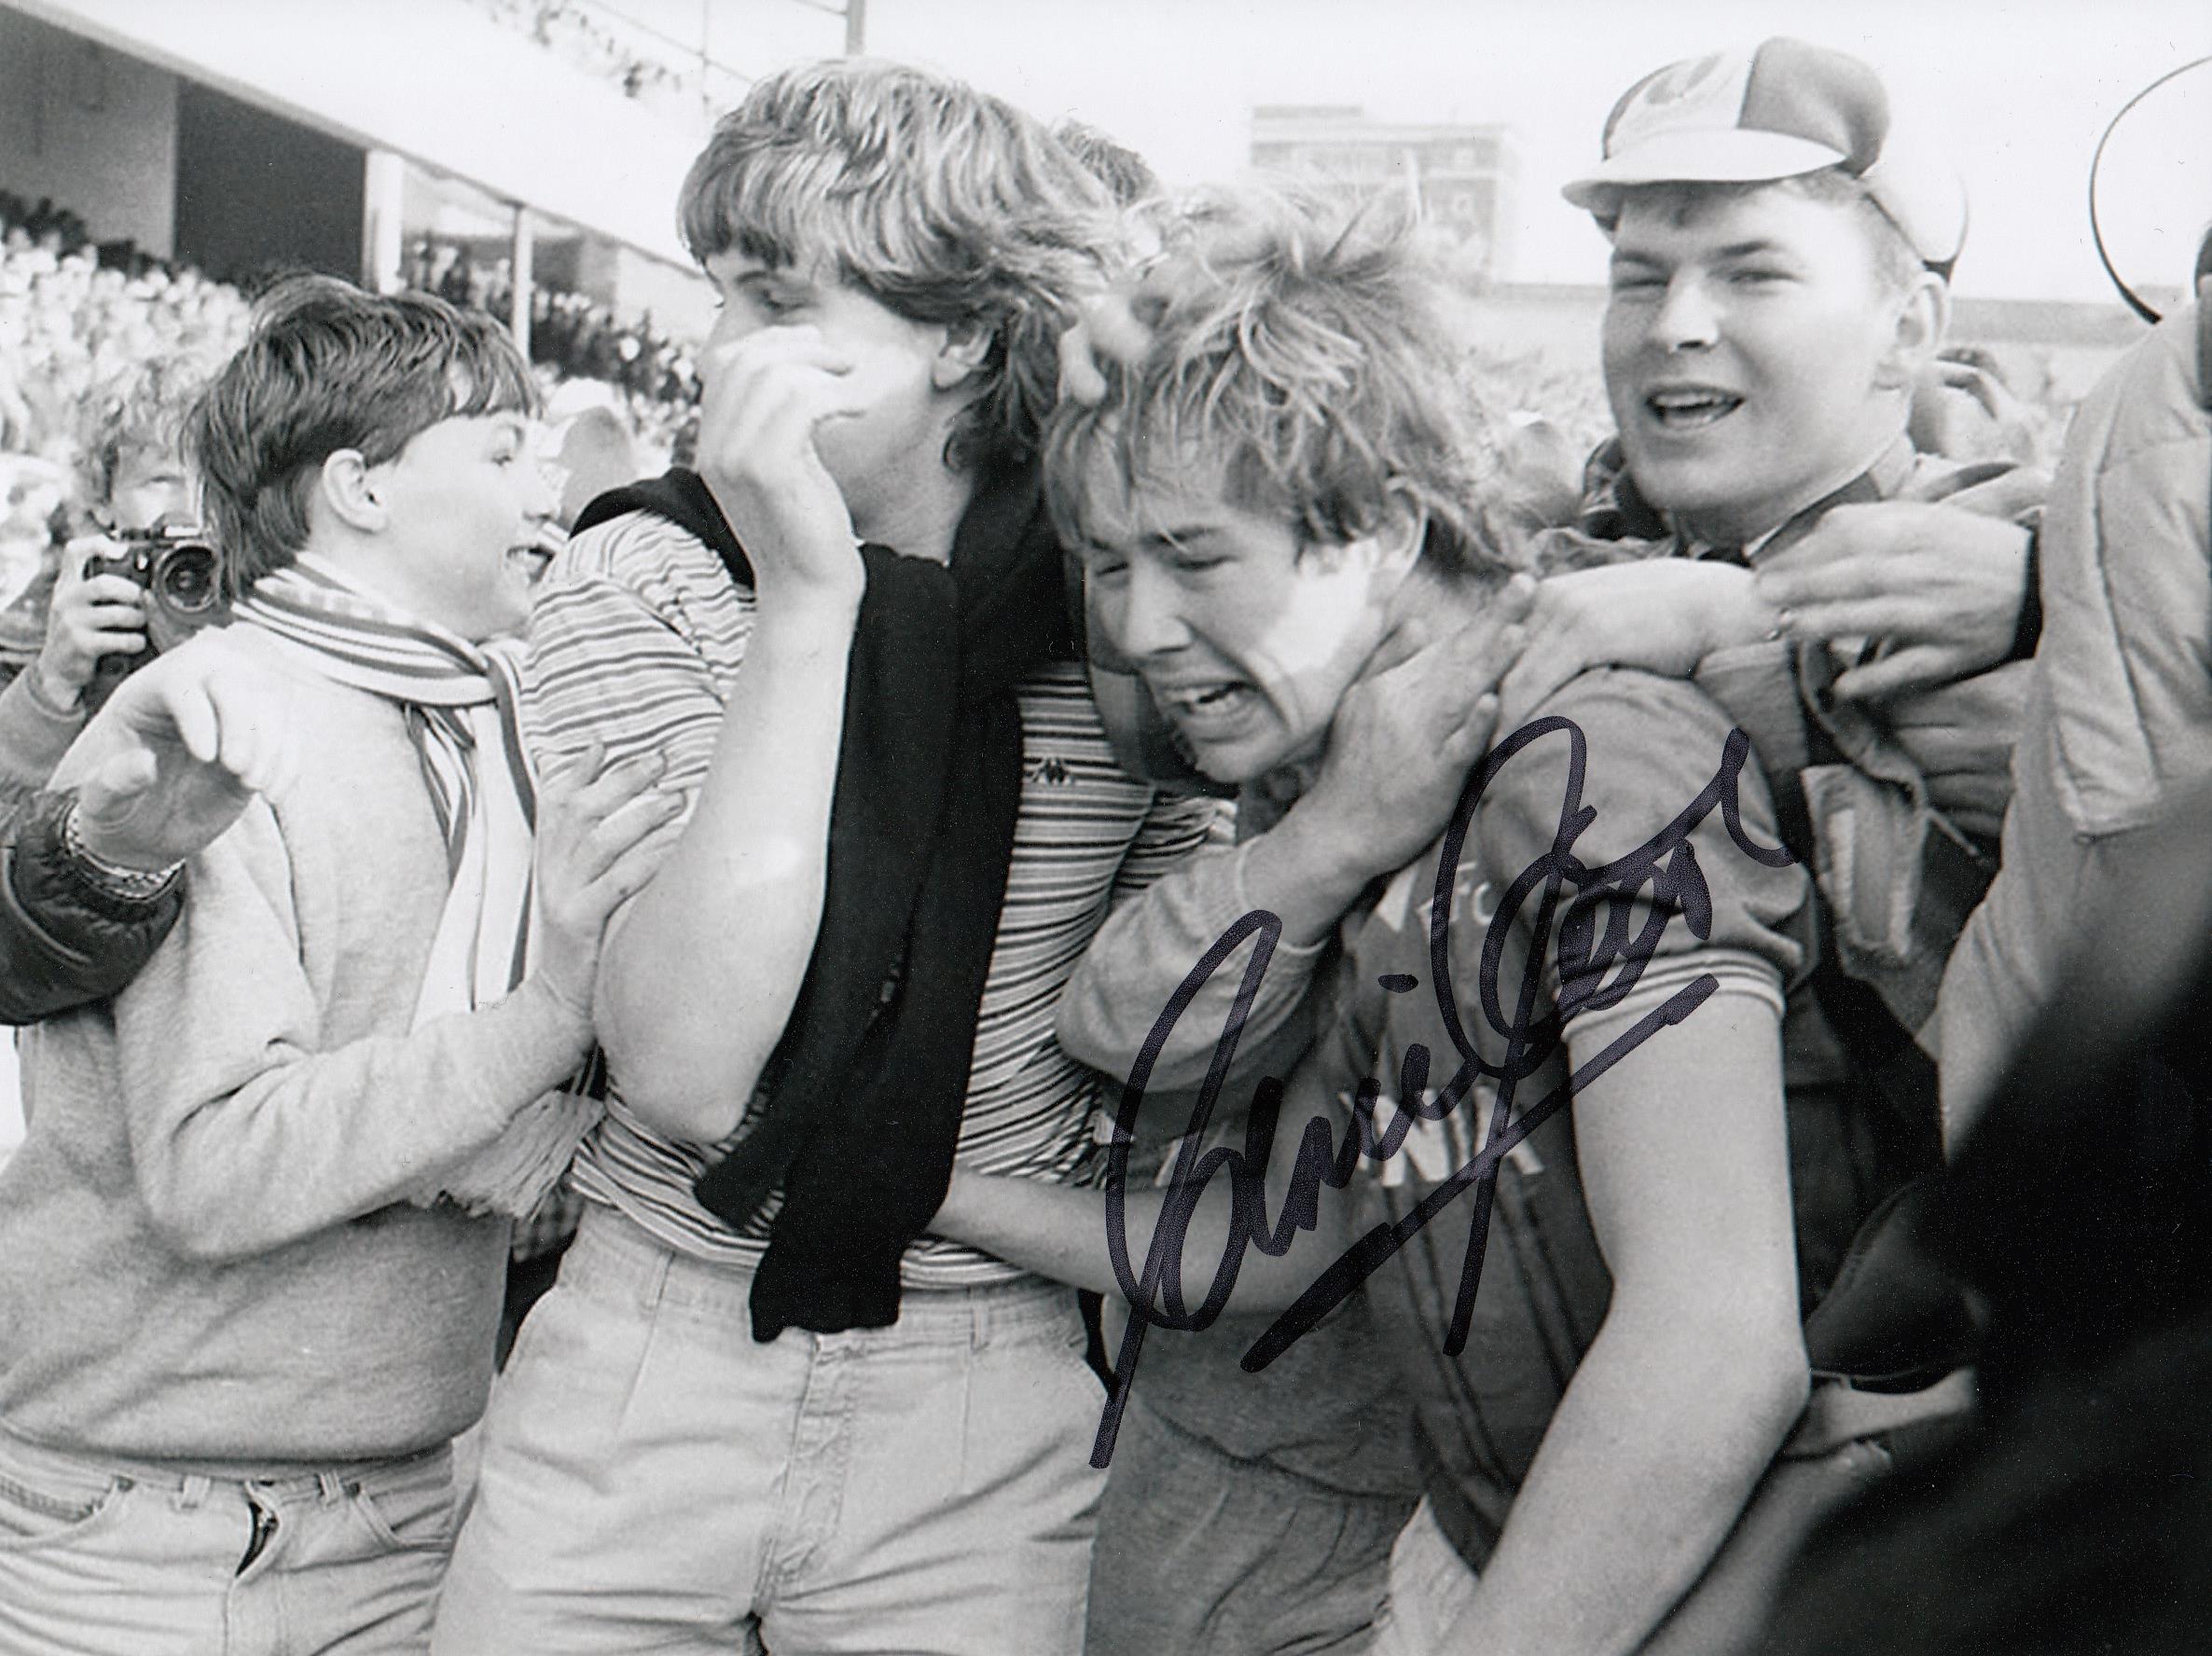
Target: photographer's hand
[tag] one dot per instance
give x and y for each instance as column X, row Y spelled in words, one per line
column 92, row 616
column 177, row 752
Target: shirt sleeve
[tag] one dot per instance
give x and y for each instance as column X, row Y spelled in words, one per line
column 1756, row 686
column 632, row 648
column 1151, row 943
column 34, row 736
column 1175, row 829
column 1651, row 905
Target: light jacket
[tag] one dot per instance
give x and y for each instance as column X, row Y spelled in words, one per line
column 2119, row 715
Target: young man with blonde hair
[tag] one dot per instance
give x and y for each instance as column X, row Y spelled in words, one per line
column 764, row 1404
column 1263, row 491
column 1634, row 1362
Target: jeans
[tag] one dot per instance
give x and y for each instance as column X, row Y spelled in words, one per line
column 1201, row 1552
column 654, row 1479
column 102, row 1557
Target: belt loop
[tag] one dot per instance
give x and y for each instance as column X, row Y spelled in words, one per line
column 329, row 1488
column 979, row 1316
column 193, row 1492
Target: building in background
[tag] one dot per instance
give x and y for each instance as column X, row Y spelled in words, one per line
column 527, row 140
column 1459, row 177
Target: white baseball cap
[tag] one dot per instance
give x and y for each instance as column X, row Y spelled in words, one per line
column 1782, row 109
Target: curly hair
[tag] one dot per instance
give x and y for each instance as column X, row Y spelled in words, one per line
column 1300, row 341
column 329, row 366
column 945, row 204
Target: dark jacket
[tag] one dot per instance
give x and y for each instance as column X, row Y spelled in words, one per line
column 65, row 940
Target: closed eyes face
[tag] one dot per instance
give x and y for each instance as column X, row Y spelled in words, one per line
column 1247, row 637
column 755, row 296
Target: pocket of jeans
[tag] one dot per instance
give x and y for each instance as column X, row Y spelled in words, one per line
column 411, row 1514
column 33, row 1515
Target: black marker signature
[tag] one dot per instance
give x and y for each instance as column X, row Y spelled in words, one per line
column 1593, row 941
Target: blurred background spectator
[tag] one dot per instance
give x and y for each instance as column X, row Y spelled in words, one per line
column 76, row 315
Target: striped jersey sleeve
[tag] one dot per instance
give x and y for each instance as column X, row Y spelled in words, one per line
column 635, row 644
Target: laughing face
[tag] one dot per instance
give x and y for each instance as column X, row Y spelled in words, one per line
column 1754, row 357
column 469, row 509
column 1247, row 638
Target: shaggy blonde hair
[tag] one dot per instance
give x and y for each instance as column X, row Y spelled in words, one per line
column 1300, row 342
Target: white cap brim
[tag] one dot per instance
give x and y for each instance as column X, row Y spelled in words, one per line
column 1738, row 156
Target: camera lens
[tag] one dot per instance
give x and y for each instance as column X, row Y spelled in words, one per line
column 187, row 579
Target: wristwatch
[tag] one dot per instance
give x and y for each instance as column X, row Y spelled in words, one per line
column 134, row 885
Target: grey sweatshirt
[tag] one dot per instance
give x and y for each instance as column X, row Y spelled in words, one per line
column 202, row 1251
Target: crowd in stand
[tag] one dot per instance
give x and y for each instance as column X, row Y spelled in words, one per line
column 573, row 336
column 74, row 315
column 586, row 37
column 1620, row 1153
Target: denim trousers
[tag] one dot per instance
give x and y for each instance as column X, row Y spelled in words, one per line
column 102, row 1557
column 653, row 1479
column 1201, row 1552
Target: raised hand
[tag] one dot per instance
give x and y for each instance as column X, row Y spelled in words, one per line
column 768, row 394
column 92, row 616
column 167, row 765
column 1116, row 325
column 1962, row 411
column 602, row 831
column 1106, row 328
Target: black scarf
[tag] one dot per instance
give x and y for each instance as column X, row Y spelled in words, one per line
column 866, row 1088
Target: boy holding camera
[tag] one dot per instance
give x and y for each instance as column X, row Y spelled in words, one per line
column 251, row 1252
column 88, row 607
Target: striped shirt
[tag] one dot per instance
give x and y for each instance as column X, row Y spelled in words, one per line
column 635, row 643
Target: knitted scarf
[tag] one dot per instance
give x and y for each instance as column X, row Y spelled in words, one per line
column 866, row 1090
column 459, row 700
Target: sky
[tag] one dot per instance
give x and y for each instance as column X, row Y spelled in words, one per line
column 2017, row 91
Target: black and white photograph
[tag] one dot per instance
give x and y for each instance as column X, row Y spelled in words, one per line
column 1105, row 828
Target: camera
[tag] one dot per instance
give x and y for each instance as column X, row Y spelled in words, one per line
column 176, row 565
